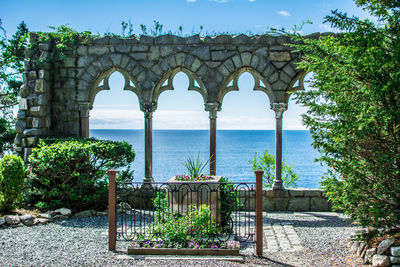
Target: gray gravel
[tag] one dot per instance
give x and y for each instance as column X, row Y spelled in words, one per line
column 84, row 242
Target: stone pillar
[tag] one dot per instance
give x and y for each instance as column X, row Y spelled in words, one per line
column 148, row 109
column 212, row 108
column 84, row 109
column 279, row 108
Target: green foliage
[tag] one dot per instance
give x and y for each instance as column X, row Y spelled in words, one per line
column 12, row 176
column 229, row 201
column 194, row 165
column 354, row 112
column 266, row 162
column 11, row 68
column 73, row 172
column 179, row 229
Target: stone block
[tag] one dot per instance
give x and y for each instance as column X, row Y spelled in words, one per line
column 32, row 75
column 44, row 46
column 267, row 39
column 23, row 104
column 319, row 204
column 395, row 251
column 139, row 55
column 268, row 204
column 37, row 111
column 122, row 48
column 145, row 39
column 254, row 62
column 223, row 39
column 246, row 58
column 277, row 193
column 139, row 48
column 394, row 260
column 166, row 50
column 221, row 55
column 69, row 62
column 194, row 39
column 30, row 141
column 299, row 204
column 154, row 53
column 237, row 61
column 42, row 100
column 116, row 59
column 27, row 219
column 240, row 39
column 281, row 204
column 289, row 70
column 168, row 39
column 384, row 246
column 21, row 115
column 20, row 126
column 296, row 192
column 223, row 70
column 369, row 254
column 279, row 56
column 312, row 192
column 12, row 219
column 32, row 132
column 43, row 74
column 98, row 50
column 41, row 86
column 202, row 52
column 180, row 59
column 380, row 261
column 37, row 122
column 195, row 65
column 82, row 50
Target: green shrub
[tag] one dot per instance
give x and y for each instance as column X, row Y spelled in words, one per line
column 12, row 175
column 266, row 162
column 73, row 172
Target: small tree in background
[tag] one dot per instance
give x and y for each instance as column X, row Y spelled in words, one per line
column 356, row 126
column 266, row 162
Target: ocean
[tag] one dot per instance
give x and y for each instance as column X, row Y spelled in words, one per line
column 234, row 150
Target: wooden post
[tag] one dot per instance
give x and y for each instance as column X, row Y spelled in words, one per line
column 259, row 207
column 213, row 142
column 112, row 215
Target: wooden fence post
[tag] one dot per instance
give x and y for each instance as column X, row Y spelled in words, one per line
column 112, row 215
column 259, row 207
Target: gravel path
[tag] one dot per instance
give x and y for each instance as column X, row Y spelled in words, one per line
column 83, row 242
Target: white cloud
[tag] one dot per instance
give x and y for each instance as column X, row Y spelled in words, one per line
column 252, row 1
column 220, row 1
column 284, row 13
column 190, row 1
column 326, row 28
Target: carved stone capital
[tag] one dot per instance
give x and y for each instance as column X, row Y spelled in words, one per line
column 84, row 108
column 212, row 108
column 279, row 108
column 148, row 107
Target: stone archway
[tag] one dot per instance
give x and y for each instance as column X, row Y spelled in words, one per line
column 59, row 95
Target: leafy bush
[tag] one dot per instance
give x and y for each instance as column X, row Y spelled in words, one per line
column 12, row 175
column 266, row 162
column 229, row 202
column 73, row 172
column 179, row 229
column 356, row 125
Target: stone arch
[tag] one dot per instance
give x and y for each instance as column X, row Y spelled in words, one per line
column 165, row 83
column 231, row 83
column 296, row 84
column 102, row 83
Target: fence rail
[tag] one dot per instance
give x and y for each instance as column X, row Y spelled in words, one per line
column 209, row 210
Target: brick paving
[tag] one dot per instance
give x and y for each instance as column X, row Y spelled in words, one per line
column 281, row 237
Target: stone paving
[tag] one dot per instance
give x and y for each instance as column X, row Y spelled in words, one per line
column 281, row 237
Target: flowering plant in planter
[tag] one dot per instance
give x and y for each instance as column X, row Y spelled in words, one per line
column 188, row 178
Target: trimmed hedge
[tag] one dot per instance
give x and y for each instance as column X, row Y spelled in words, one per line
column 72, row 172
column 12, row 175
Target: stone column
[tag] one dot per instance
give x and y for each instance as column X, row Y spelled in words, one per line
column 148, row 109
column 279, row 108
column 84, row 109
column 212, row 108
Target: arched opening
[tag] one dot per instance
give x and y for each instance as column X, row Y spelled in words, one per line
column 297, row 146
column 116, row 116
column 180, row 126
column 245, row 125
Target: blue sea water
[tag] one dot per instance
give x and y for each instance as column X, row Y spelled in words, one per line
column 234, row 150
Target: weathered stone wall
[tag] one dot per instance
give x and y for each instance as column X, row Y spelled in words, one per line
column 57, row 95
column 301, row 199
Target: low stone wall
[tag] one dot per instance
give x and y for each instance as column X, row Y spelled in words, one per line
column 299, row 199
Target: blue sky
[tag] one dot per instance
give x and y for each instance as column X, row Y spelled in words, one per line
column 179, row 109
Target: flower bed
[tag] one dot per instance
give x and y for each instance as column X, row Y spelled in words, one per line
column 188, row 178
column 147, row 247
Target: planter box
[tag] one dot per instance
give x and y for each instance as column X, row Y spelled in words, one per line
column 183, row 194
column 183, row 251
